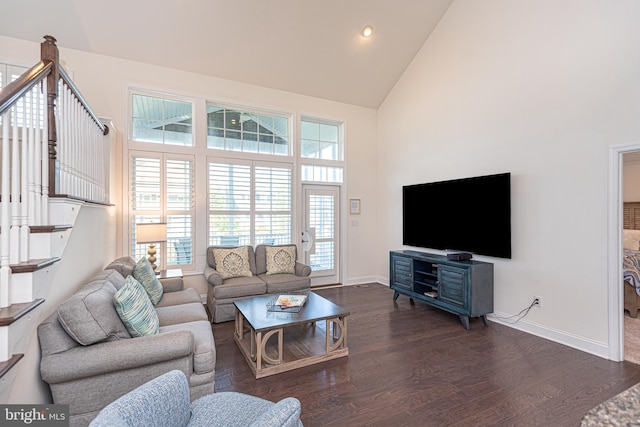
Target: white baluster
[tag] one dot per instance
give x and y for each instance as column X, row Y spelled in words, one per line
column 63, row 135
column 37, row 167
column 61, row 119
column 45, row 158
column 99, row 165
column 75, row 150
column 5, row 270
column 24, row 183
column 31, row 174
column 58, row 117
column 14, row 235
column 81, row 160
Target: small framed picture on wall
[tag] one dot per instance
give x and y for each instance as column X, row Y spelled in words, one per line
column 354, row 206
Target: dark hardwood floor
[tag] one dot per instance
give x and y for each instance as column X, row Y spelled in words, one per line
column 413, row 365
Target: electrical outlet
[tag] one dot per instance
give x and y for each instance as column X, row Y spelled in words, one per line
column 537, row 301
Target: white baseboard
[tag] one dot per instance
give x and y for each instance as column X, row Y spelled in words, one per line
column 365, row 279
column 580, row 343
column 596, row 348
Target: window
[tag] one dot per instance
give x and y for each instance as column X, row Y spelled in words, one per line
column 249, row 132
column 160, row 120
column 321, row 150
column 246, row 164
column 10, row 73
column 320, row 140
column 249, row 203
column 320, row 173
column 161, row 190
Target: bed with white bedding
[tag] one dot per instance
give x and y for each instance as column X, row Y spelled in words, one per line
column 631, row 271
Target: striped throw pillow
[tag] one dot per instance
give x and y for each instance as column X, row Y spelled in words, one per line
column 143, row 273
column 135, row 309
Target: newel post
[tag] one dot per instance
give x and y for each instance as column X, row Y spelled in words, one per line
column 49, row 53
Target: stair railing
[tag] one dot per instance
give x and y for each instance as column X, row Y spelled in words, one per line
column 52, row 144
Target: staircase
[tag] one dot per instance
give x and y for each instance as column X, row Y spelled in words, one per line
column 54, row 154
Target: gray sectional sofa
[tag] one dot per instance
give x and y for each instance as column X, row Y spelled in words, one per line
column 222, row 292
column 89, row 359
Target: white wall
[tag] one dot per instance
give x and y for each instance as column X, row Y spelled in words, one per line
column 541, row 89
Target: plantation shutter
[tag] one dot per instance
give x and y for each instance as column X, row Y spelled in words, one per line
column 249, row 203
column 229, row 204
column 162, row 190
column 273, row 204
column 179, row 211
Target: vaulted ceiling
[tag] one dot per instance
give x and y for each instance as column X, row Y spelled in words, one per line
column 310, row 47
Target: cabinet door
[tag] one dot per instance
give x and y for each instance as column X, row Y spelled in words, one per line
column 401, row 272
column 453, row 284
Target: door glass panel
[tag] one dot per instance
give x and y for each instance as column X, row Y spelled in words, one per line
column 321, row 218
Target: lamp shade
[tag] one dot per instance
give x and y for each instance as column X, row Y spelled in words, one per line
column 151, row 233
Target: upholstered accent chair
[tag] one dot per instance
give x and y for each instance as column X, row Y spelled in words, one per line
column 164, row 401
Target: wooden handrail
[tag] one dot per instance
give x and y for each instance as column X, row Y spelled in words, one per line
column 76, row 92
column 18, row 88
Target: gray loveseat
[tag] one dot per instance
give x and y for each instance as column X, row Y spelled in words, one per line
column 222, row 293
column 89, row 359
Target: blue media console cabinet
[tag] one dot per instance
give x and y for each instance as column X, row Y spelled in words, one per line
column 464, row 288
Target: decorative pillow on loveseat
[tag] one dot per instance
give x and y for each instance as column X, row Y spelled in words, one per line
column 232, row 262
column 281, row 259
column 135, row 309
column 144, row 274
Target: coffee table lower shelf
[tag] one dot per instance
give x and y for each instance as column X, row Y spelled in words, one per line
column 273, row 351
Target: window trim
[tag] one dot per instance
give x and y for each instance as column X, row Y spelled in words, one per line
column 201, row 153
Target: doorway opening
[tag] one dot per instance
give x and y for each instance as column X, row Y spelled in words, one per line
column 631, row 255
column 615, row 252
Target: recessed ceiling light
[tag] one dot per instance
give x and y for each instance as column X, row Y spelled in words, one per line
column 367, row 31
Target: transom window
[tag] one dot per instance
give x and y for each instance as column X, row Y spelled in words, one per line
column 320, row 139
column 246, row 131
column 161, row 120
column 321, row 150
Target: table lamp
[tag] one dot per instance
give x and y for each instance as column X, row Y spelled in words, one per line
column 151, row 233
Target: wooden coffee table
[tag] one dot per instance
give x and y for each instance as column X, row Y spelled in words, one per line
column 299, row 341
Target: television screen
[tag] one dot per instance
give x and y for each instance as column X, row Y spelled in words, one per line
column 467, row 215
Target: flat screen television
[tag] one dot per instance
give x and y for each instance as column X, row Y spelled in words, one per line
column 467, row 215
